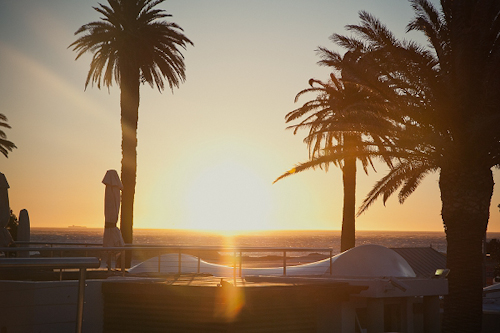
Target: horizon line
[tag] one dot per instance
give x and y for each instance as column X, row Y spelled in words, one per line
column 235, row 231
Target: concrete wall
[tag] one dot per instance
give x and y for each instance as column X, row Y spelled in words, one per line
column 48, row 306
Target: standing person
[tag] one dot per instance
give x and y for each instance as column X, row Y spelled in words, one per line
column 12, row 225
column 12, row 228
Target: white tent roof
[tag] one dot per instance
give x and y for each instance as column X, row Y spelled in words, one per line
column 361, row 261
column 371, row 261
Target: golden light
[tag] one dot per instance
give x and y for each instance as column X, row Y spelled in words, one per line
column 229, row 198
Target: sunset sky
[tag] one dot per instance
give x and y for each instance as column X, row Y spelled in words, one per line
column 208, row 152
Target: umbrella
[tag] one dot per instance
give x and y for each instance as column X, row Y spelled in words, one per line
column 23, row 231
column 112, row 235
column 5, row 237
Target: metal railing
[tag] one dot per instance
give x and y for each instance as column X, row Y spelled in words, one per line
column 237, row 252
column 59, row 263
column 85, row 263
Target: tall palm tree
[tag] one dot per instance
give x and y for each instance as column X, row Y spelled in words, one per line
column 333, row 119
column 132, row 45
column 445, row 101
column 6, row 146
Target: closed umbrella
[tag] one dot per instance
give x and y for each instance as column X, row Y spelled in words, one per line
column 5, row 237
column 23, row 231
column 112, row 235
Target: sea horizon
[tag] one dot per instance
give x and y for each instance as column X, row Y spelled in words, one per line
column 243, row 231
column 269, row 238
column 231, row 233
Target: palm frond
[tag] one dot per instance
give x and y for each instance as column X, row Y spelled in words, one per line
column 6, row 146
column 133, row 33
column 407, row 174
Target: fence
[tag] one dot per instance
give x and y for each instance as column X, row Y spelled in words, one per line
column 237, row 255
column 82, row 264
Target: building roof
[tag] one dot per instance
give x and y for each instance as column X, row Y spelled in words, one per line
column 423, row 260
column 371, row 260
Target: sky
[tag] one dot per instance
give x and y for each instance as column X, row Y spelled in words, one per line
column 209, row 151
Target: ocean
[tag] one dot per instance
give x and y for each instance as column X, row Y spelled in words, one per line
column 282, row 239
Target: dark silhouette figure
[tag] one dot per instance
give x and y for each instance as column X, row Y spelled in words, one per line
column 13, row 225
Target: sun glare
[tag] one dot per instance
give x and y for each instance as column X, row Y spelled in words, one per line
column 228, row 198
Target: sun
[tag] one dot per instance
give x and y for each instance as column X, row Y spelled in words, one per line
column 228, row 197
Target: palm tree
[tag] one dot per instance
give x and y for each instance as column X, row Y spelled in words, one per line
column 446, row 107
column 333, row 119
column 131, row 44
column 6, row 146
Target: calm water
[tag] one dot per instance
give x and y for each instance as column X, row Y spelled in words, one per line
column 315, row 239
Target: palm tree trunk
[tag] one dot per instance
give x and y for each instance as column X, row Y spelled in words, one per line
column 129, row 101
column 348, row 236
column 466, row 197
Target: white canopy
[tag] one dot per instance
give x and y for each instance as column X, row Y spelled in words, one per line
column 361, row 261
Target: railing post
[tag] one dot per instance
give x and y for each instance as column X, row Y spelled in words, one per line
column 284, row 263
column 81, row 263
column 81, row 294
column 199, row 264
column 159, row 261
column 122, row 259
column 331, row 254
column 241, row 259
column 180, row 262
column 234, row 268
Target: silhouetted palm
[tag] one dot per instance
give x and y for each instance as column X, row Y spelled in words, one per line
column 131, row 44
column 6, row 146
column 446, row 102
column 334, row 119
